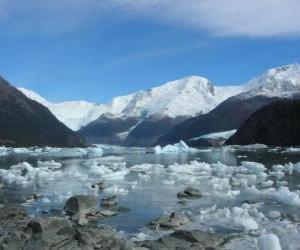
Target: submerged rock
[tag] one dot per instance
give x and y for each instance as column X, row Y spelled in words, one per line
column 109, row 201
column 172, row 221
column 190, row 192
column 195, row 239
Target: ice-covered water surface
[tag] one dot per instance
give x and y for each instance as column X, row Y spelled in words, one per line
column 251, row 193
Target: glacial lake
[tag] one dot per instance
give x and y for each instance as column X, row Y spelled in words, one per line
column 247, row 191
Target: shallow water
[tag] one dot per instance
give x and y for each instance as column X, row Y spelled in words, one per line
column 150, row 189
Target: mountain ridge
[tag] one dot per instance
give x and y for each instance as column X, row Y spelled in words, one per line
column 184, row 97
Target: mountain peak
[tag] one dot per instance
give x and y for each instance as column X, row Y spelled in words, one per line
column 280, row 82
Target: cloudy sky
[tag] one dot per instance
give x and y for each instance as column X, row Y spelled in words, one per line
column 97, row 49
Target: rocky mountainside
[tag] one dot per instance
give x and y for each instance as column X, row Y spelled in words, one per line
column 276, row 84
column 185, row 97
column 277, row 124
column 24, row 122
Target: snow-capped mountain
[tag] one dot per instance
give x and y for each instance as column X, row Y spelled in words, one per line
column 274, row 85
column 185, row 97
column 282, row 81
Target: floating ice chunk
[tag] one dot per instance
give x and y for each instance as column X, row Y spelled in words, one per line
column 115, row 190
column 24, row 174
column 267, row 184
column 3, row 151
column 297, row 167
column 192, row 167
column 148, row 168
column 251, row 194
column 284, row 195
column 274, row 215
column 268, row 242
column 291, row 150
column 234, row 218
column 254, row 167
column 177, row 148
column 94, row 152
column 278, row 174
column 49, row 164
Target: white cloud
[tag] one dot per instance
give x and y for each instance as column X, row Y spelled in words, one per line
column 252, row 18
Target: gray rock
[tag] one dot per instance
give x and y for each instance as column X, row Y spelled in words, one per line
column 81, row 204
column 185, row 240
column 172, row 221
column 35, row 226
column 109, row 201
column 52, row 233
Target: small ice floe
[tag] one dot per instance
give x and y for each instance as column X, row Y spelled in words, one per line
column 243, row 218
column 148, row 168
column 268, row 242
column 274, row 215
column 283, row 195
column 49, row 164
column 251, row 194
column 25, row 174
column 291, row 150
column 3, row 151
column 177, row 148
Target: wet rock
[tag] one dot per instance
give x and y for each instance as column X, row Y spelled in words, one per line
column 35, row 226
column 190, row 192
column 172, row 221
column 33, row 198
column 109, row 201
column 18, row 231
column 107, row 213
column 185, row 240
column 56, row 212
column 123, row 209
column 81, row 204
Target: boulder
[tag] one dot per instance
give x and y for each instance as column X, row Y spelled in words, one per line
column 186, row 240
column 172, row 221
column 81, row 204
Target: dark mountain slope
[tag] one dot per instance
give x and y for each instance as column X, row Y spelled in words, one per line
column 227, row 116
column 109, row 130
column 277, row 124
column 24, row 122
column 147, row 132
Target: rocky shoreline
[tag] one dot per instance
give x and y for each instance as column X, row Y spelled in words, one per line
column 77, row 229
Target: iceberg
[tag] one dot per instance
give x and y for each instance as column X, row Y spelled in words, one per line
column 177, row 148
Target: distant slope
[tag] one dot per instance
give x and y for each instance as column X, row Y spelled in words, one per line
column 275, row 84
column 24, row 122
column 147, row 132
column 228, row 115
column 109, row 130
column 277, row 124
column 184, row 97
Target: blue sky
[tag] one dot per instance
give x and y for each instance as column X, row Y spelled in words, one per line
column 95, row 50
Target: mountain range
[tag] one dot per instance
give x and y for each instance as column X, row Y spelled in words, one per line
column 185, row 97
column 178, row 110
